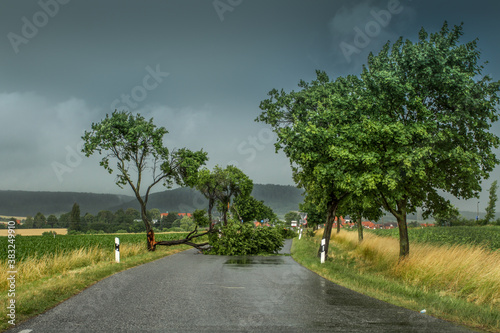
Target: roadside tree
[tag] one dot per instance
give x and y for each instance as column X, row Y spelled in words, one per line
column 74, row 222
column 136, row 145
column 231, row 183
column 490, row 210
column 428, row 123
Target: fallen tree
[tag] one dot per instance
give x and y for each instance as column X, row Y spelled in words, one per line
column 136, row 144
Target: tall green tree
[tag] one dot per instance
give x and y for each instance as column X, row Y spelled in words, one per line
column 51, row 221
column 28, row 223
column 249, row 209
column 413, row 125
column 207, row 184
column 490, row 210
column 74, row 222
column 314, row 127
column 428, row 123
column 231, row 183
column 136, row 146
column 39, row 221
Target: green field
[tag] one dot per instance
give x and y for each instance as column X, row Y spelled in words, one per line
column 38, row 246
column 487, row 236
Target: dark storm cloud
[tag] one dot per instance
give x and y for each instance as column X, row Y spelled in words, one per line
column 200, row 68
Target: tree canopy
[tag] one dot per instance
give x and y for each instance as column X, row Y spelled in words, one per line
column 136, row 145
column 413, row 125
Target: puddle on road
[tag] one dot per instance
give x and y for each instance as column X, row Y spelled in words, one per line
column 251, row 261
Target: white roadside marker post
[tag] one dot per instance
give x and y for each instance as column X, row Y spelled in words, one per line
column 117, row 249
column 300, row 234
column 323, row 251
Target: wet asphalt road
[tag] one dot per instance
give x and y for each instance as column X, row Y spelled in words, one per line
column 190, row 292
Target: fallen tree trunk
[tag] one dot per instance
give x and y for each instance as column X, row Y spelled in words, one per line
column 188, row 240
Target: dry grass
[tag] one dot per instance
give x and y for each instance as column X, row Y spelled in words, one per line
column 39, row 268
column 467, row 272
column 35, row 232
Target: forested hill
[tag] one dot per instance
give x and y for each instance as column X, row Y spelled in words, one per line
column 280, row 198
column 28, row 203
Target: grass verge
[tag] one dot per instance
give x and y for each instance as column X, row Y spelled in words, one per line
column 375, row 270
column 43, row 283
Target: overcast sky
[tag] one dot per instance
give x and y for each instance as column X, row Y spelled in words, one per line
column 200, row 68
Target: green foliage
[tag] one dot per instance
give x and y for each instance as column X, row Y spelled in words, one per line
column 490, row 210
column 244, row 239
column 39, row 220
column 52, row 221
column 187, row 223
column 413, row 125
column 74, row 223
column 250, row 209
column 447, row 216
column 288, row 233
column 136, row 144
column 292, row 216
column 200, row 218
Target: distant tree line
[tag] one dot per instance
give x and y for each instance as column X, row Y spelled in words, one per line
column 106, row 221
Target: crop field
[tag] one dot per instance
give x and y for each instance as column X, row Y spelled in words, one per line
column 486, row 236
column 38, row 246
column 35, row 232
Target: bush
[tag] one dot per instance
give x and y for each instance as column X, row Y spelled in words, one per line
column 121, row 231
column 176, row 229
column 288, row 233
column 245, row 239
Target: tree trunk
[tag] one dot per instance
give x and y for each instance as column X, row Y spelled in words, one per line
column 224, row 217
column 400, row 214
column 338, row 224
column 151, row 240
column 188, row 240
column 151, row 243
column 210, row 207
column 360, row 229
column 332, row 207
column 404, row 243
